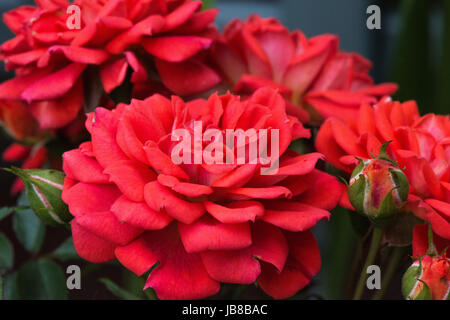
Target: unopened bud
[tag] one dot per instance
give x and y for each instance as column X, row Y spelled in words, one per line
column 378, row 189
column 44, row 188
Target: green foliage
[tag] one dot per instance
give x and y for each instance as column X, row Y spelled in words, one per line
column 29, row 230
column 340, row 240
column 443, row 105
column 35, row 279
column 118, row 291
column 410, row 65
column 54, row 279
column 10, row 290
column 420, row 65
column 5, row 212
column 66, row 251
column 6, row 253
column 41, row 279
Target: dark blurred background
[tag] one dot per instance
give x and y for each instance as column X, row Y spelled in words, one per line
column 412, row 48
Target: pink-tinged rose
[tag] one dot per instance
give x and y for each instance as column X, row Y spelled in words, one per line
column 204, row 223
column 420, row 145
column 316, row 78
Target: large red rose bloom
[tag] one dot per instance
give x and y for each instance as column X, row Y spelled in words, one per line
column 204, row 223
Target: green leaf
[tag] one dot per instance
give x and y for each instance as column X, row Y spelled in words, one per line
column 23, row 200
column 10, row 290
column 42, row 279
column 412, row 53
column 6, row 253
column 443, row 84
column 66, row 251
column 54, row 279
column 6, row 211
column 118, row 291
column 29, row 282
column 339, row 242
column 133, row 283
column 29, row 230
column 1, row 286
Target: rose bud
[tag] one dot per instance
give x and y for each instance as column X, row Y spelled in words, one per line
column 44, row 188
column 378, row 188
column 427, row 279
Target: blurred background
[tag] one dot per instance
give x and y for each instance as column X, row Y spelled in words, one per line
column 412, row 48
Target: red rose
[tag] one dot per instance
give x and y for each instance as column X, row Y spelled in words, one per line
column 429, row 276
column 173, row 32
column 17, row 122
column 311, row 73
column 20, row 125
column 50, row 60
column 421, row 145
column 428, row 279
column 48, row 69
column 204, row 223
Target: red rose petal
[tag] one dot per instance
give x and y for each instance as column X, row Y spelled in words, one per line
column 91, row 247
column 159, row 197
column 80, row 167
column 175, row 48
column 169, row 280
column 139, row 214
column 293, row 216
column 210, row 234
column 106, row 226
column 130, row 177
column 86, row 198
column 236, row 211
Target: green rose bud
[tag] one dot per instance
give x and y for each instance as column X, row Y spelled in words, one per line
column 378, row 189
column 44, row 188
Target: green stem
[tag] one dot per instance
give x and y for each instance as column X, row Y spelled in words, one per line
column 374, row 245
column 356, row 262
column 394, row 263
column 150, row 294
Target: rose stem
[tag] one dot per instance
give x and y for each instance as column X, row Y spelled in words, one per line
column 374, row 245
column 394, row 263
